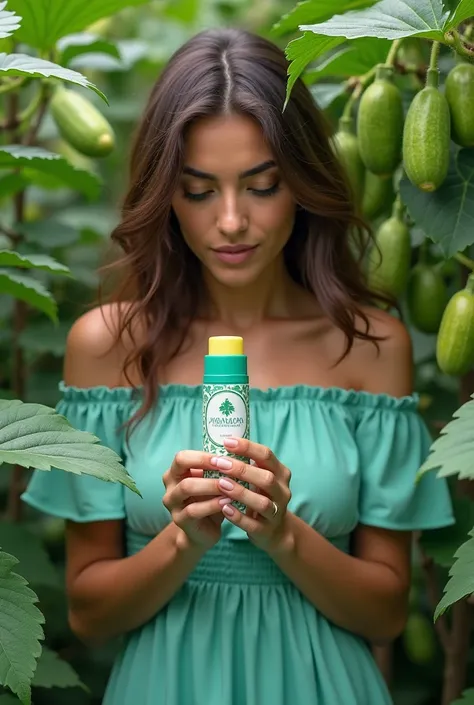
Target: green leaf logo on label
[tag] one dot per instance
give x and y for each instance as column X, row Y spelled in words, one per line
column 227, row 408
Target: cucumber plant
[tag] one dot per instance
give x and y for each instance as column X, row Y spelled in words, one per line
column 404, row 71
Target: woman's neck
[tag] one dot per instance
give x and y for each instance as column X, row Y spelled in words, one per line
column 273, row 295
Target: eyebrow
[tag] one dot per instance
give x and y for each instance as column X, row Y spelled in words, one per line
column 264, row 166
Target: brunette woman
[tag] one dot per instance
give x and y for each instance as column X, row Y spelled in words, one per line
column 238, row 221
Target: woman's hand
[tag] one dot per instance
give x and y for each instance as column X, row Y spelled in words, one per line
column 194, row 502
column 265, row 518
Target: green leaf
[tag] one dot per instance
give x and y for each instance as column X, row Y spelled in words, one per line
column 464, row 10
column 447, row 214
column 441, row 544
column 20, row 630
column 8, row 258
column 46, row 21
column 35, row 564
column 326, row 93
column 9, row 22
column 41, row 337
column 24, row 65
column 33, row 435
column 388, row 19
column 48, row 233
column 467, row 698
column 461, row 581
column 11, row 184
column 302, row 51
column 38, row 159
column 26, row 288
column 84, row 43
column 452, row 452
column 53, row 672
column 185, row 11
column 353, row 60
column 315, row 11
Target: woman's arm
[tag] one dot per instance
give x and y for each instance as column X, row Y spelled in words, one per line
column 109, row 594
column 365, row 593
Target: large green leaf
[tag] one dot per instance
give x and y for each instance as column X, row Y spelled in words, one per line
column 38, row 159
column 26, row 288
column 353, row 60
column 461, row 581
column 9, row 258
column 467, row 698
column 84, row 43
column 464, row 10
column 302, row 51
column 53, row 672
column 46, row 21
column 388, row 19
column 315, row 11
column 20, row 630
column 447, row 214
column 452, row 452
column 26, row 545
column 33, row 435
column 9, row 22
column 24, row 65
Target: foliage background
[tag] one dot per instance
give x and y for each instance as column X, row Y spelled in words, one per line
column 146, row 36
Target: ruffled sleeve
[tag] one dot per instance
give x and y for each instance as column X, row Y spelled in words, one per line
column 393, row 442
column 83, row 498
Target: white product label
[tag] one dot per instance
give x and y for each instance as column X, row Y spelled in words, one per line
column 226, row 415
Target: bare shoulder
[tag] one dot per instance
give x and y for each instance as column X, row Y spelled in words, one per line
column 388, row 367
column 94, row 356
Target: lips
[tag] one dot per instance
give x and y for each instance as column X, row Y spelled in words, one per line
column 235, row 254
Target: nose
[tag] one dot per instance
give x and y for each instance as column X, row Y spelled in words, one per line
column 231, row 218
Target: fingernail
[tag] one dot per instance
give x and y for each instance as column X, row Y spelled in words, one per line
column 224, row 501
column 226, row 485
column 227, row 509
column 222, row 463
column 231, row 442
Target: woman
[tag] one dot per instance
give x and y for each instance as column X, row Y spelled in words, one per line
column 237, row 221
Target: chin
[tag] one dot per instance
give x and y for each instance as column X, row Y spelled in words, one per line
column 237, row 278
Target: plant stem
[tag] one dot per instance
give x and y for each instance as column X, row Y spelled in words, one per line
column 362, row 82
column 12, row 85
column 392, row 54
column 462, row 47
column 435, row 49
column 465, row 261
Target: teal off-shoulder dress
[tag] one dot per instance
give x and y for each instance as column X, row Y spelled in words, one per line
column 239, row 632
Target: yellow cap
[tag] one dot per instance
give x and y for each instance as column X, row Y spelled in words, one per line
column 226, row 345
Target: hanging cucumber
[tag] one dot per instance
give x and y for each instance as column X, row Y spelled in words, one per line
column 390, row 258
column 455, row 344
column 426, row 297
column 378, row 195
column 347, row 147
column 81, row 124
column 380, row 124
column 426, row 137
column 459, row 91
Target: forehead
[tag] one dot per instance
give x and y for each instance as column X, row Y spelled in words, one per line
column 225, row 145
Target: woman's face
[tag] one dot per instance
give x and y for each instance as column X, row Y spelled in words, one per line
column 234, row 208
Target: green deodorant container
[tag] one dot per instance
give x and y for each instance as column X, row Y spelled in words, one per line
column 225, row 399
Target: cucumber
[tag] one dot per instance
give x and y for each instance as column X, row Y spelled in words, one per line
column 455, row 343
column 427, row 136
column 459, row 91
column 347, row 147
column 380, row 124
column 389, row 260
column 419, row 639
column 81, row 124
column 378, row 195
column 427, row 297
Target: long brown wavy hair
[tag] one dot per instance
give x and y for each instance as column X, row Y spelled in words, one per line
column 224, row 71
